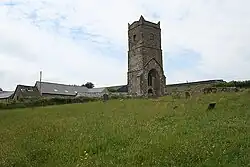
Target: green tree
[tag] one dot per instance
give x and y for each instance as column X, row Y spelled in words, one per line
column 89, row 85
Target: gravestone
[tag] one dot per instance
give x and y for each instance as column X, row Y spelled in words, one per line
column 211, row 106
column 105, row 97
column 187, row 95
column 213, row 90
column 209, row 90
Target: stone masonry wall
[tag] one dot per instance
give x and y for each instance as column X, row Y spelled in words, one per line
column 144, row 54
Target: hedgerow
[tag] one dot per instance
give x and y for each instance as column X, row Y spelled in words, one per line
column 37, row 102
column 238, row 84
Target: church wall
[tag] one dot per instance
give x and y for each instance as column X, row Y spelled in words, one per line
column 134, row 83
column 150, row 53
column 153, row 65
column 135, row 60
column 151, row 37
column 144, row 54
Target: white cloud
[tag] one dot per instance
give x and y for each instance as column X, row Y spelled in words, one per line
column 31, row 41
column 26, row 50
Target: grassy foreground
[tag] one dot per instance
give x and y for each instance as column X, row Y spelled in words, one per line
column 130, row 133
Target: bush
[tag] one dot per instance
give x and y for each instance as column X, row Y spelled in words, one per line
column 37, row 102
column 115, row 97
column 112, row 90
column 238, row 84
column 44, row 102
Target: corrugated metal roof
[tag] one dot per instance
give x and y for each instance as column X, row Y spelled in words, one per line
column 60, row 89
column 5, row 94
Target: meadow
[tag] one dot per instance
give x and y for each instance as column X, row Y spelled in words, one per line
column 134, row 132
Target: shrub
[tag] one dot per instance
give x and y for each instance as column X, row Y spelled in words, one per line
column 36, row 102
column 238, row 84
column 112, row 90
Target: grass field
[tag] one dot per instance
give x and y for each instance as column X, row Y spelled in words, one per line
column 130, row 133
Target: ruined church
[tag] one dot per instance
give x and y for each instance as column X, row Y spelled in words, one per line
column 145, row 64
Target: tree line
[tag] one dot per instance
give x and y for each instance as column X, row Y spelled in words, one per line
column 238, row 84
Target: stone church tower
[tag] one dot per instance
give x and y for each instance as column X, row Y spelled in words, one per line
column 145, row 67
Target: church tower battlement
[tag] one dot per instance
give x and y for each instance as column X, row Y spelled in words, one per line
column 145, row 64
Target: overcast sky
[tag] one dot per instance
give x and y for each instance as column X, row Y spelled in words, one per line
column 75, row 41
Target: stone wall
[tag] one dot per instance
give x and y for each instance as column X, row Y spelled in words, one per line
column 194, row 87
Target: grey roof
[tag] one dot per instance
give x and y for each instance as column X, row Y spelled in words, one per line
column 88, row 94
column 5, row 94
column 120, row 88
column 97, row 90
column 60, row 89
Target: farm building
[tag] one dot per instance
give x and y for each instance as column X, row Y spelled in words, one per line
column 94, row 92
column 59, row 90
column 6, row 95
column 25, row 92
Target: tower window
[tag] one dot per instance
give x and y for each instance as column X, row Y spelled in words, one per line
column 134, row 37
column 151, row 37
column 150, row 79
